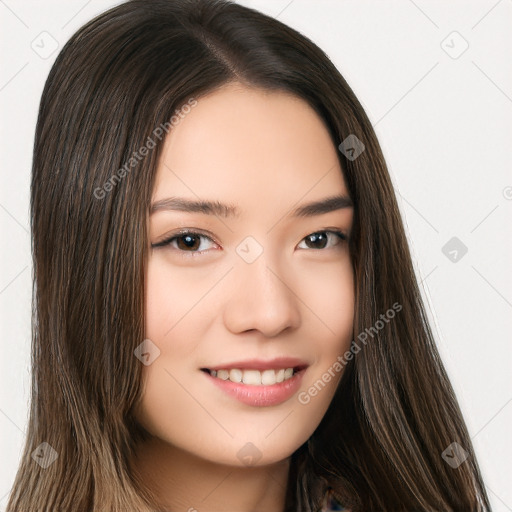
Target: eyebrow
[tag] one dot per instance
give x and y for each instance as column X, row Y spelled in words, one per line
column 326, row 205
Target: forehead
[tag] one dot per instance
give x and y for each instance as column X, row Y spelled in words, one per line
column 247, row 145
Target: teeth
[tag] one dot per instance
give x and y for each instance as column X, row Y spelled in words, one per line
column 222, row 374
column 268, row 377
column 251, row 377
column 235, row 375
column 254, row 377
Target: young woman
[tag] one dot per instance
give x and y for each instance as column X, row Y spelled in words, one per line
column 226, row 316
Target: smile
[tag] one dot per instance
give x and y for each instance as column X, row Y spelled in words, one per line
column 258, row 383
column 254, row 377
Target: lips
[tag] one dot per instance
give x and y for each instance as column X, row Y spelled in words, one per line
column 257, row 382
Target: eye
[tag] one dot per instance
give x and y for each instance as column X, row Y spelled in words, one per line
column 320, row 239
column 186, row 241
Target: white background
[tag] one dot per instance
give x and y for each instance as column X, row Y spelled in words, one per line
column 445, row 127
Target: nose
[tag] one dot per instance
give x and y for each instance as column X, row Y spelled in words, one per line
column 261, row 299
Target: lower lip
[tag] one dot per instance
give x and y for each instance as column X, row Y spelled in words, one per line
column 260, row 396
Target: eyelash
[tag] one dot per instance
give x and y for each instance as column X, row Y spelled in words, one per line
column 184, row 232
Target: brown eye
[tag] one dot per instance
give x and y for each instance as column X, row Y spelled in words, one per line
column 186, row 241
column 320, row 239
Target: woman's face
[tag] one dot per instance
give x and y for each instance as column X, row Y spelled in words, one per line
column 251, row 294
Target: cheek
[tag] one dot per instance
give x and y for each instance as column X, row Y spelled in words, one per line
column 330, row 299
column 328, row 293
column 177, row 301
column 176, row 319
column 167, row 299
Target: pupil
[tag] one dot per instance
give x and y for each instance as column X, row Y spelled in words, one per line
column 318, row 236
column 189, row 241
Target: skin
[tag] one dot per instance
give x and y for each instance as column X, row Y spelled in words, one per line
column 267, row 153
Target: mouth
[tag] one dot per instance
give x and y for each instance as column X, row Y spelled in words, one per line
column 255, row 377
column 258, row 383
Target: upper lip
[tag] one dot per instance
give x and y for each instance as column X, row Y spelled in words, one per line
column 261, row 364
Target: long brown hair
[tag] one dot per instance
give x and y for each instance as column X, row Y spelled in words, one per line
column 119, row 78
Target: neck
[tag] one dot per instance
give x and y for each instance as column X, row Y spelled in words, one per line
column 184, row 482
